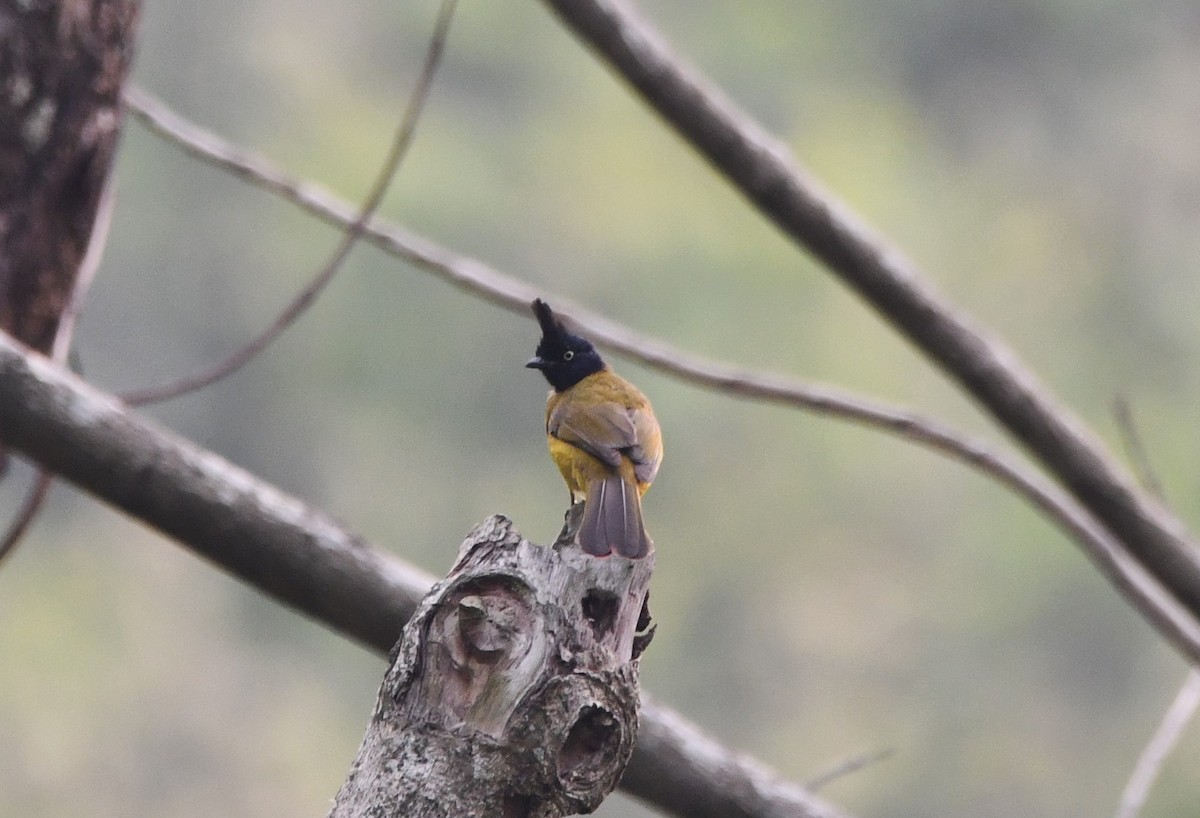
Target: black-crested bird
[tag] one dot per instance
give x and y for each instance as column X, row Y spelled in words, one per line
column 603, row 437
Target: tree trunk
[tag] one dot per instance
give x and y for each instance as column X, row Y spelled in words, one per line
column 62, row 65
column 513, row 690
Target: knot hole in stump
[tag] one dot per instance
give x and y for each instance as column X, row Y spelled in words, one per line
column 600, row 610
column 481, row 646
column 592, row 744
column 486, row 629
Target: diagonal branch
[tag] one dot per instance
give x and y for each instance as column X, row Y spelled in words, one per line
column 308, row 561
column 672, row 755
column 477, row 278
column 763, row 171
column 354, row 230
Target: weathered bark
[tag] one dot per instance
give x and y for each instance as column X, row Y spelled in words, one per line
column 513, row 691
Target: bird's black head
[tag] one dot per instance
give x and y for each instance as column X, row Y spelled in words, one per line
column 565, row 359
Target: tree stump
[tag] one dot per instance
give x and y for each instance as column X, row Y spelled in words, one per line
column 513, row 690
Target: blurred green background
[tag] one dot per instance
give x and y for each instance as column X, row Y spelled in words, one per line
column 821, row 590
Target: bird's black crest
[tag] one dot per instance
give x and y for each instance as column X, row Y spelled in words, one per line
column 564, row 358
column 549, row 322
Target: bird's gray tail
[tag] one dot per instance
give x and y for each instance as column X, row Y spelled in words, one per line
column 612, row 519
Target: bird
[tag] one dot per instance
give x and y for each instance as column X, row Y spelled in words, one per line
column 603, row 436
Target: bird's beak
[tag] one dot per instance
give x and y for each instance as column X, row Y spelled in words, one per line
column 535, row 363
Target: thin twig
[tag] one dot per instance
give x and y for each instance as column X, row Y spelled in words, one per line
column 35, row 499
column 1150, row 763
column 354, row 230
column 1135, row 449
column 60, row 350
column 1183, row 708
column 846, row 767
column 484, row 281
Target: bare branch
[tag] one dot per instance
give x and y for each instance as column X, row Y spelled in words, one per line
column 763, row 171
column 308, row 561
column 354, row 230
column 673, row 757
column 1161, row 744
column 483, row 281
column 221, row 512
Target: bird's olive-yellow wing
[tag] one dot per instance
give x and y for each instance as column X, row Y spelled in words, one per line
column 609, row 431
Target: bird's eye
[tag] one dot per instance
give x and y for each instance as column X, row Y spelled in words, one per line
column 568, row 355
